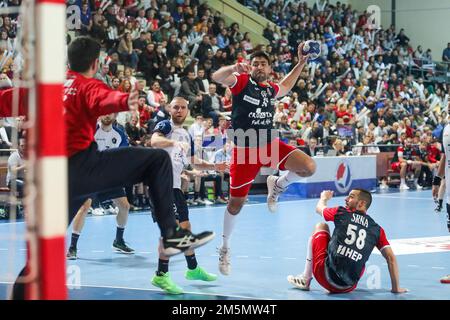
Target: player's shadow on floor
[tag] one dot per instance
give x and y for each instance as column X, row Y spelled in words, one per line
column 132, row 261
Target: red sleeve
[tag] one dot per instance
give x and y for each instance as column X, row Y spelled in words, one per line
column 241, row 82
column 102, row 100
column 6, row 100
column 382, row 241
column 329, row 213
column 275, row 86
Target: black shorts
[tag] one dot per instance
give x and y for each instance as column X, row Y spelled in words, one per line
column 180, row 206
column 110, row 194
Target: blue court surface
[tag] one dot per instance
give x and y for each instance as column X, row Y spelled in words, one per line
column 265, row 249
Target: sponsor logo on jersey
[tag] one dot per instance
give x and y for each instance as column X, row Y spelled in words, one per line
column 251, row 100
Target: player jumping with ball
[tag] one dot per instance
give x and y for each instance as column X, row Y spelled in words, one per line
column 256, row 142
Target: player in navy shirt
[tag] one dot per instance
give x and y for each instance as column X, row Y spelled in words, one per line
column 256, row 140
column 108, row 136
column 338, row 262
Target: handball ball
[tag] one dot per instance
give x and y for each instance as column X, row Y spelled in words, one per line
column 312, row 48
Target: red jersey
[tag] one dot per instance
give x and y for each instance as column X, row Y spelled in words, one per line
column 85, row 99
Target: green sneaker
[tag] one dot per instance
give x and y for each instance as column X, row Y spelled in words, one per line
column 200, row 274
column 165, row 282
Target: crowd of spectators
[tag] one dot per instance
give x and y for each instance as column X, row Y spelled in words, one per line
column 359, row 97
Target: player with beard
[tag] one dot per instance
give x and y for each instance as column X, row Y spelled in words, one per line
column 107, row 136
column 338, row 261
column 256, row 141
column 172, row 137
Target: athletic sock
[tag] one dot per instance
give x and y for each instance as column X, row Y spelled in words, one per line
column 229, row 221
column 307, row 273
column 74, row 240
column 286, row 179
column 119, row 234
column 163, row 267
column 191, row 261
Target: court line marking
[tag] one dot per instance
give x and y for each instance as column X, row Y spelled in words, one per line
column 288, row 258
column 263, row 257
column 158, row 290
column 193, row 209
column 440, row 268
column 396, row 197
column 241, row 256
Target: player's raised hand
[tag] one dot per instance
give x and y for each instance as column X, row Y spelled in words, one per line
column 242, row 68
column 326, row 194
column 302, row 58
column 133, row 99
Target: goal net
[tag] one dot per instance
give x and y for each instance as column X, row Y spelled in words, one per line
column 34, row 197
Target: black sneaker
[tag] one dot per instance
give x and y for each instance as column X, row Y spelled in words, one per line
column 121, row 246
column 183, row 240
column 72, row 254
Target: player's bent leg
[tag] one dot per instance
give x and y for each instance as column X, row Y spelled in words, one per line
column 119, row 243
column 298, row 165
column 321, row 226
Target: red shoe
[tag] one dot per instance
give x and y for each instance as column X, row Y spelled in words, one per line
column 445, row 279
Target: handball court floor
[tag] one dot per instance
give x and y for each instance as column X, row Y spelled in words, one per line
column 265, row 249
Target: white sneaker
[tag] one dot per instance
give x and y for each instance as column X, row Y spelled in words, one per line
column 199, row 201
column 419, row 187
column 273, row 192
column 224, row 261
column 299, row 282
column 404, row 187
column 384, row 186
column 98, row 212
column 207, row 202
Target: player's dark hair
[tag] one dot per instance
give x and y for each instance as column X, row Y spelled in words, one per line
column 365, row 196
column 82, row 53
column 260, row 54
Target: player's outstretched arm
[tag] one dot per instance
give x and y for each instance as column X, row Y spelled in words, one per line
column 160, row 141
column 291, row 79
column 225, row 75
column 391, row 260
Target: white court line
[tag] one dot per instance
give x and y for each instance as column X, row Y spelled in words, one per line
column 406, row 198
column 241, row 256
column 263, row 257
column 288, row 258
column 159, row 290
column 3, row 249
column 440, row 268
column 189, row 292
